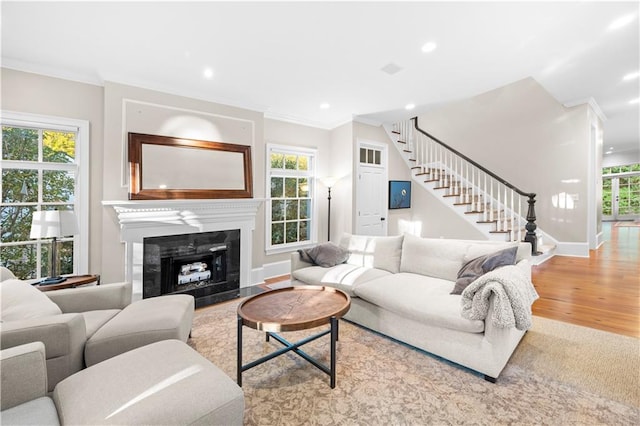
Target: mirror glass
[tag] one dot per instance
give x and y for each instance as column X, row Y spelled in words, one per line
column 164, row 167
column 169, row 167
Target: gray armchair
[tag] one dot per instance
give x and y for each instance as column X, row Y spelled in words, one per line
column 187, row 389
column 83, row 326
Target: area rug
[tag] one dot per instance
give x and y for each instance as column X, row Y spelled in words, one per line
column 561, row 374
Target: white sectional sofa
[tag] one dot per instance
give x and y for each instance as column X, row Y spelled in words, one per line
column 400, row 286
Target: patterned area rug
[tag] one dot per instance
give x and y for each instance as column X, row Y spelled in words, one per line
column 556, row 377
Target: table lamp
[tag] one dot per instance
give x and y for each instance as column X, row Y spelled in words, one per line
column 53, row 224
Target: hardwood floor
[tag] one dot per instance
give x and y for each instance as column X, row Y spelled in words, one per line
column 601, row 292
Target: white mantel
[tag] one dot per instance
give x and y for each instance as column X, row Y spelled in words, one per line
column 154, row 218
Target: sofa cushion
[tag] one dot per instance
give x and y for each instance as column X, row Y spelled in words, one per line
column 325, row 255
column 39, row 411
column 481, row 248
column 420, row 298
column 438, row 258
column 344, row 277
column 143, row 322
column 356, row 245
column 387, row 252
column 162, row 383
column 20, row 300
column 93, row 320
column 475, row 268
column 373, row 252
column 6, row 274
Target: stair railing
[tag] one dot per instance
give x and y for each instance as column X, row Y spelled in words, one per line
column 492, row 197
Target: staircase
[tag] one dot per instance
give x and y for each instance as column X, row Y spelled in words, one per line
column 489, row 203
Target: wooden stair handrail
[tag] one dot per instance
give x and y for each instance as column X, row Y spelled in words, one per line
column 531, row 226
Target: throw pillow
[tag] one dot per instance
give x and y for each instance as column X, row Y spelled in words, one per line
column 327, row 254
column 475, row 268
column 387, row 252
column 304, row 256
column 21, row 301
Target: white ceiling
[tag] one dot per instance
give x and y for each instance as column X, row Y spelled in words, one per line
column 287, row 58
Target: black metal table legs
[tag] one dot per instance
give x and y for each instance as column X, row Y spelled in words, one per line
column 295, row 347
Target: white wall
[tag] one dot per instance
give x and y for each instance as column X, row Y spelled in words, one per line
column 525, row 136
column 284, row 133
column 427, row 216
column 620, row 158
column 38, row 94
column 134, row 109
column 342, row 194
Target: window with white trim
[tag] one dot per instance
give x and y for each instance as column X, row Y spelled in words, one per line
column 290, row 191
column 44, row 164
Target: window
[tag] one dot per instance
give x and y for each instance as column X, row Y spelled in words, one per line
column 44, row 167
column 370, row 156
column 290, row 180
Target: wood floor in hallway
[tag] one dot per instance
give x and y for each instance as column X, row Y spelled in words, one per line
column 602, row 291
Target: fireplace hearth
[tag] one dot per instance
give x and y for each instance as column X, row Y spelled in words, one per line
column 205, row 265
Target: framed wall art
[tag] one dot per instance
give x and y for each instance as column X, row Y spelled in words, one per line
column 399, row 194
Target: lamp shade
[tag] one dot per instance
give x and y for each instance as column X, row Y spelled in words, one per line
column 53, row 223
column 329, row 181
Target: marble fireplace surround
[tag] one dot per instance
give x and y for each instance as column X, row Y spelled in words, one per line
column 155, row 218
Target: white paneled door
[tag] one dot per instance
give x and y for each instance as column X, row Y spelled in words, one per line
column 371, row 190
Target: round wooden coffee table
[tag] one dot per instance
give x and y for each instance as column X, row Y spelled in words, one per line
column 291, row 309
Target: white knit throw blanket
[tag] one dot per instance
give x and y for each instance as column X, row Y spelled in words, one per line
column 514, row 295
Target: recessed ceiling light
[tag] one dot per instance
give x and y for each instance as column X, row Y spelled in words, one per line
column 634, row 101
column 208, row 73
column 410, row 106
column 631, row 76
column 621, row 22
column 429, row 47
column 325, row 105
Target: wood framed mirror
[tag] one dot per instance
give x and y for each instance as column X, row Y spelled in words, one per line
column 163, row 167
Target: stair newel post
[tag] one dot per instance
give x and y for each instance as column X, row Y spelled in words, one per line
column 531, row 224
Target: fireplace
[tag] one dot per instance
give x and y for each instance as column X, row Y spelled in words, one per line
column 205, row 265
column 143, row 219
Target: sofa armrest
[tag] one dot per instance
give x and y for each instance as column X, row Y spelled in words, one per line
column 297, row 262
column 24, row 374
column 60, row 334
column 63, row 335
column 94, row 298
column 525, row 266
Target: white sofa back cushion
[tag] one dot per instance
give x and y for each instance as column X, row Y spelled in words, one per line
column 387, row 252
column 357, row 246
column 21, row 301
column 438, row 258
column 374, row 252
column 6, row 274
column 482, row 248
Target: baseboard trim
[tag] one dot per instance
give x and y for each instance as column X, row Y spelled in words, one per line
column 269, row 270
column 572, row 249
